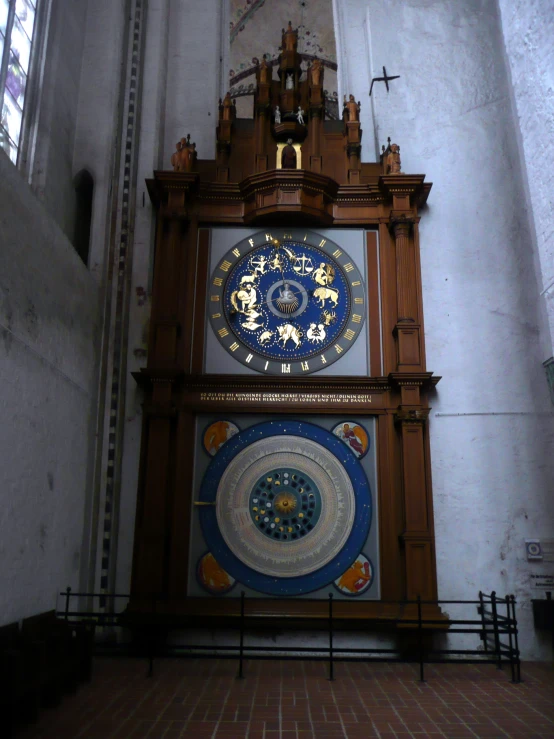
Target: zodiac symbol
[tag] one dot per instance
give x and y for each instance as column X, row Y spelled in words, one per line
column 276, row 262
column 290, row 254
column 303, row 265
column 248, row 279
column 265, row 336
column 328, row 318
column 247, row 298
column 288, row 331
column 260, row 264
column 324, row 274
column 316, row 334
column 251, row 324
column 326, row 293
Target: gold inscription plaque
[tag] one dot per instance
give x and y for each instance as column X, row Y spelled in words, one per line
column 266, row 397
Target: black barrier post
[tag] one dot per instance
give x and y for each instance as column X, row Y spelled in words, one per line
column 331, row 665
column 495, row 629
column 481, row 610
column 241, row 648
column 67, row 597
column 516, row 641
column 510, row 640
column 151, row 637
column 420, row 635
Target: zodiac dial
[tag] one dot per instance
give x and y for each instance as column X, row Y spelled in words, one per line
column 286, row 302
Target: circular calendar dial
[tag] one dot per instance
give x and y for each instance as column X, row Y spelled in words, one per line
column 287, row 302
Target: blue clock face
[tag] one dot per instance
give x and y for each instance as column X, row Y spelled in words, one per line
column 287, row 302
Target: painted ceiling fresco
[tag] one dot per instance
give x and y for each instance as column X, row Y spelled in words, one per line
column 255, row 30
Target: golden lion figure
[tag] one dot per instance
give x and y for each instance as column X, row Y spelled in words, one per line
column 213, row 575
column 352, row 576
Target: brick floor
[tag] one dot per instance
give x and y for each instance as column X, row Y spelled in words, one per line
column 202, row 699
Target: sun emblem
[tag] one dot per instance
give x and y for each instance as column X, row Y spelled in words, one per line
column 285, row 503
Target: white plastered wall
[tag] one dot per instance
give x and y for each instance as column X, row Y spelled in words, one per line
column 528, row 30
column 491, row 423
column 48, row 322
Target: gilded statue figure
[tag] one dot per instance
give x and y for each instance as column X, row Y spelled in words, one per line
column 315, row 72
column 289, row 38
column 264, row 72
column 175, row 155
column 288, row 156
column 393, row 164
column 227, row 107
column 352, row 108
column 184, row 158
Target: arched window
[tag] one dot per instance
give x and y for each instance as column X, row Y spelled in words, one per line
column 84, row 190
column 17, row 25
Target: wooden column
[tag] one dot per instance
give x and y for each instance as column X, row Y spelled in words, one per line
column 417, row 535
column 149, row 566
column 407, row 329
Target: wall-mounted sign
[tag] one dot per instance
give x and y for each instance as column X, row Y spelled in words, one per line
column 543, row 581
column 533, row 549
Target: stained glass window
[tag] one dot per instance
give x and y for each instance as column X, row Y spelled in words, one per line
column 17, row 24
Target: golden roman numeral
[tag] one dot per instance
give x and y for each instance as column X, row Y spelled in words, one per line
column 339, row 348
column 356, row 284
column 251, row 242
column 323, row 360
column 356, row 318
column 214, row 298
column 234, row 346
column 218, row 281
column 337, row 253
column 223, row 332
column 285, row 369
column 323, row 242
column 349, row 334
column 216, row 315
column 249, row 358
column 268, row 237
column 287, row 236
column 349, row 267
column 266, row 365
column 224, row 266
column 305, row 237
column 358, row 300
column 305, row 366
column 236, row 252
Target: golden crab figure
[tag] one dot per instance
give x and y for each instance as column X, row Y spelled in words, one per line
column 285, row 503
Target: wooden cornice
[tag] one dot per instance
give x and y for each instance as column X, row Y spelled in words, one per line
column 411, row 185
column 207, row 383
column 424, row 380
column 166, row 181
column 294, row 194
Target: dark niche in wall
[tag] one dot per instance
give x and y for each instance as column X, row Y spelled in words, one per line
column 84, row 190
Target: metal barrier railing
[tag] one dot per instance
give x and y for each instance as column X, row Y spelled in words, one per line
column 498, row 633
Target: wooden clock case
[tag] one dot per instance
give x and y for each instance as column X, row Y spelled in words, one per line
column 244, row 186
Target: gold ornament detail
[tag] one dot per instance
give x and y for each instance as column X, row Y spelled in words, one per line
column 285, row 503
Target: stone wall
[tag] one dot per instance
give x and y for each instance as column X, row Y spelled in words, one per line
column 54, row 120
column 528, row 29
column 48, row 380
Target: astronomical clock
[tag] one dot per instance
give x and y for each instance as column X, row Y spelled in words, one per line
column 285, row 452
column 288, row 305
